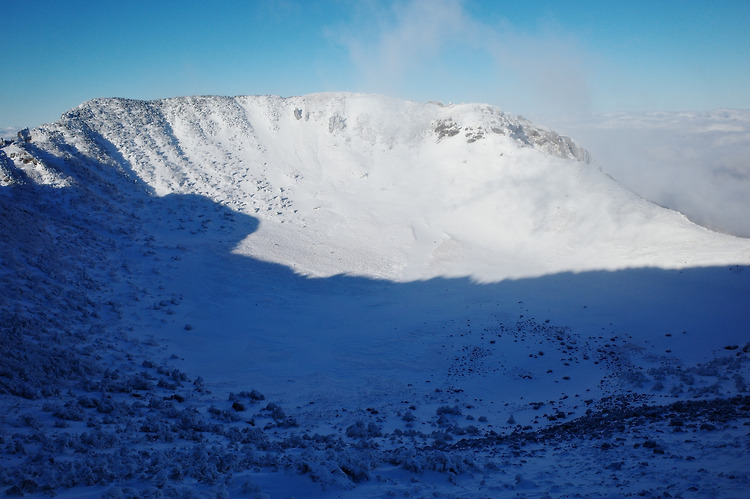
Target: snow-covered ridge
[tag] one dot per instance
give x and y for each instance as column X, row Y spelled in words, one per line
column 374, row 186
column 371, row 118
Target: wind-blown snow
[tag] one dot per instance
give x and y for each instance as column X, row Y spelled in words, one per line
column 349, row 295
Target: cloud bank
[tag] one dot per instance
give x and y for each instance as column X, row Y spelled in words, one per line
column 436, row 49
column 692, row 162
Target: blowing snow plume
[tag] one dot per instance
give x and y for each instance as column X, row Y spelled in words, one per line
column 422, row 49
column 311, row 296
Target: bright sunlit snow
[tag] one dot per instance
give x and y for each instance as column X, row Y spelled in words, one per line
column 347, row 295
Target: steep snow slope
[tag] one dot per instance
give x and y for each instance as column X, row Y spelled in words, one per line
column 371, row 186
column 175, row 319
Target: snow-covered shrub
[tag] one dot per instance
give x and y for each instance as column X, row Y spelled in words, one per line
column 356, row 466
column 252, row 395
column 31, row 420
column 635, row 378
column 326, row 472
column 451, row 410
column 162, row 383
column 69, row 411
column 276, row 411
column 703, row 391
column 279, row 416
column 441, row 438
column 223, row 415
column 98, row 439
column 687, row 379
column 190, row 424
column 408, row 417
column 739, row 383
column 360, row 430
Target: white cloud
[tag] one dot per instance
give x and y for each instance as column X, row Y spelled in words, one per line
column 8, row 132
column 402, row 40
column 436, row 49
column 551, row 67
column 695, row 163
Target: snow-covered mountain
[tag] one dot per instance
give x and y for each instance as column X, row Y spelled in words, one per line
column 381, row 187
column 343, row 294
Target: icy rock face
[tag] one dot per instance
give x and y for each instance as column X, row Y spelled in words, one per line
column 522, row 131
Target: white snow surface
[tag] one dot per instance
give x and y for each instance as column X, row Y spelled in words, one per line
column 345, row 295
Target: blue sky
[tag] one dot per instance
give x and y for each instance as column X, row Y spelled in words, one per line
column 532, row 57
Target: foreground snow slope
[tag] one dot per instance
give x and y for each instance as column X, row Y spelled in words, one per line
column 345, row 295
